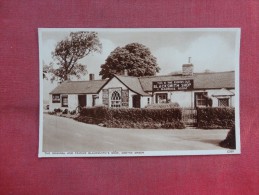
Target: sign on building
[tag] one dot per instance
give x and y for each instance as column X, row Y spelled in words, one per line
column 125, row 98
column 177, row 85
column 105, row 97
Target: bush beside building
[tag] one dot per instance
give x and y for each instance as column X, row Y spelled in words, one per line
column 164, row 106
column 133, row 117
column 215, row 118
column 230, row 141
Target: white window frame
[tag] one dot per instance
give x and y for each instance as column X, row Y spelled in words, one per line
column 62, row 101
column 161, row 101
column 226, row 98
column 200, row 99
column 116, row 103
column 55, row 98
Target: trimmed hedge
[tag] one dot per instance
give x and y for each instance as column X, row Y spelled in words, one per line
column 215, row 118
column 96, row 112
column 164, row 106
column 133, row 117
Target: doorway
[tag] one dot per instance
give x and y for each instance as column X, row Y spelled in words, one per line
column 136, row 101
column 82, row 100
column 189, row 117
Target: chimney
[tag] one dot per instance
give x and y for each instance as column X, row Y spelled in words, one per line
column 187, row 69
column 91, row 77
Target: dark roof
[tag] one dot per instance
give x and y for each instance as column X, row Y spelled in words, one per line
column 132, row 83
column 142, row 85
column 223, row 92
column 215, row 80
column 77, row 87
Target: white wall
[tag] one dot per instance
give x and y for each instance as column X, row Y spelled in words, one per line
column 232, row 103
column 72, row 102
column 89, row 100
column 100, row 100
column 144, row 102
column 115, row 83
column 215, row 100
column 183, row 98
column 187, row 98
column 53, row 106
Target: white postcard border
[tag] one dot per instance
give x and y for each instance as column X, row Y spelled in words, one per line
column 222, row 151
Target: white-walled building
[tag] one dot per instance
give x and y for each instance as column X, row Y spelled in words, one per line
column 187, row 89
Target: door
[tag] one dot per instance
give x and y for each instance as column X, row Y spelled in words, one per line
column 82, row 100
column 94, row 97
column 189, row 117
column 136, row 101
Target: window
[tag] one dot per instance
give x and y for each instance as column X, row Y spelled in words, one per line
column 148, row 100
column 56, row 98
column 161, row 98
column 224, row 102
column 115, row 100
column 64, row 102
column 200, row 99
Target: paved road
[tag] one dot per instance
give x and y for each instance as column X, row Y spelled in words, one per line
column 64, row 135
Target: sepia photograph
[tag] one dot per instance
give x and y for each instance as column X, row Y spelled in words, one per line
column 117, row 92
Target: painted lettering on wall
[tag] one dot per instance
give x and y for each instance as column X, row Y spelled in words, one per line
column 125, row 98
column 105, row 97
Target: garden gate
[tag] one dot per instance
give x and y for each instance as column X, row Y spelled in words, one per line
column 189, row 117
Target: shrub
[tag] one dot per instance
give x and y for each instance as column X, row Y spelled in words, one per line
column 72, row 112
column 65, row 111
column 133, row 117
column 165, row 105
column 139, row 115
column 99, row 112
column 133, row 114
column 51, row 113
column 88, row 120
column 215, row 118
column 143, row 125
column 230, row 141
column 173, row 125
column 57, row 110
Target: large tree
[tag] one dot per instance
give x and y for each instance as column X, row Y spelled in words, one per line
column 69, row 51
column 134, row 57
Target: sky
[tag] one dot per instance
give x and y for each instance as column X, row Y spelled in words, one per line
column 210, row 49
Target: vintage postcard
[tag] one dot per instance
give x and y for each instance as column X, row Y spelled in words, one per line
column 107, row 92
